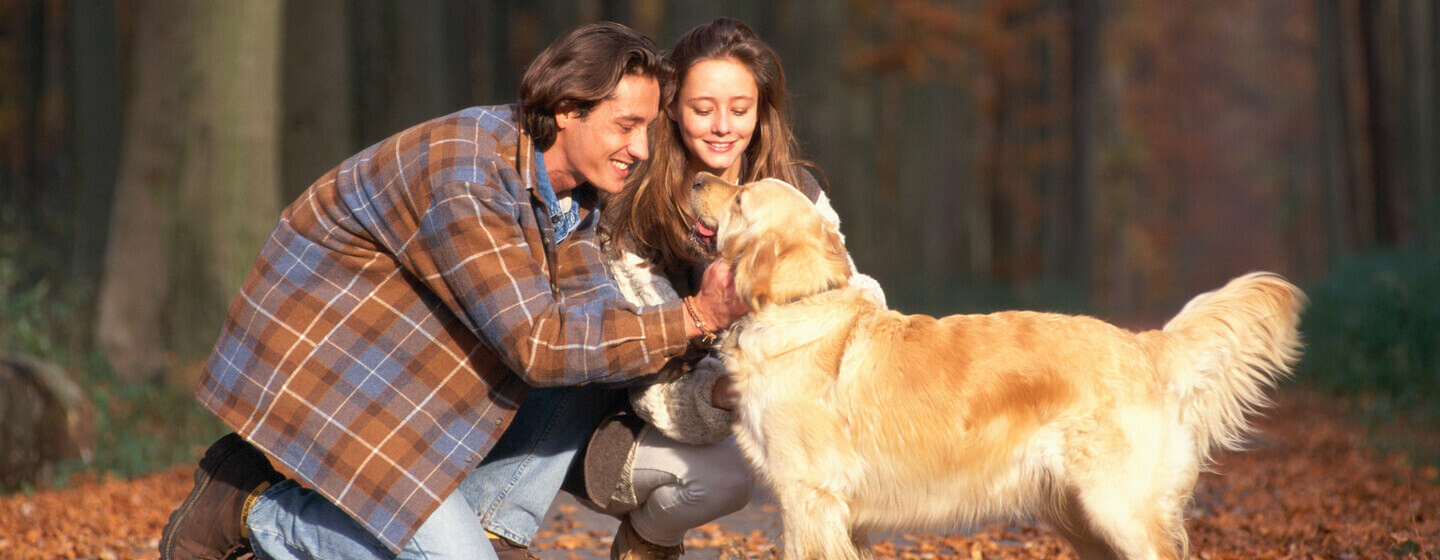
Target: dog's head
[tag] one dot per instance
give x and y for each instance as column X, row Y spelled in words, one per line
column 780, row 246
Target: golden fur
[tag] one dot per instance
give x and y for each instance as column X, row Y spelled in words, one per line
column 863, row 419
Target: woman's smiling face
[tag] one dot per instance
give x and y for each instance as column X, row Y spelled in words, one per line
column 716, row 109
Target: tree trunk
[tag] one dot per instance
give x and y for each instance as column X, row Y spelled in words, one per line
column 889, row 126
column 1420, row 20
column 1333, row 115
column 405, row 73
column 319, row 122
column 197, row 190
column 1379, row 71
column 1085, row 136
column 230, row 175
column 135, row 283
column 96, row 131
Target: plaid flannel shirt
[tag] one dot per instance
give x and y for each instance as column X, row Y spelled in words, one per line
column 395, row 318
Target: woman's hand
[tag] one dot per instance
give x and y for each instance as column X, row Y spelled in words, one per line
column 715, row 306
column 724, row 396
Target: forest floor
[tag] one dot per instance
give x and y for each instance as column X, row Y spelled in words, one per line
column 1313, row 485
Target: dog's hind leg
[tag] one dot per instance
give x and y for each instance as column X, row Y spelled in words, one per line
column 1124, row 490
column 1087, row 545
column 817, row 525
column 1104, row 524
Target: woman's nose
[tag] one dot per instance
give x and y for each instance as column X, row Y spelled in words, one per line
column 721, row 124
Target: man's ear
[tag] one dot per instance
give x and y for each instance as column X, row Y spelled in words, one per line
column 564, row 114
column 670, row 112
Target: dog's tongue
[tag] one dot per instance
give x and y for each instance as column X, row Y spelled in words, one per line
column 702, row 230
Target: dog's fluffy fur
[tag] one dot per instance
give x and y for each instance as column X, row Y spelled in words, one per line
column 862, row 418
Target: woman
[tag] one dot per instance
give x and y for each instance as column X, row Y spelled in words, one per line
column 679, row 467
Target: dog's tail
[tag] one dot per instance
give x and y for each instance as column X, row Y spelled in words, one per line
column 1225, row 349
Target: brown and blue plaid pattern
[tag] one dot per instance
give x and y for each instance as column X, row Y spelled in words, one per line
column 395, row 318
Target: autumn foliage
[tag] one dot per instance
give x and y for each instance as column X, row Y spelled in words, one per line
column 1313, row 485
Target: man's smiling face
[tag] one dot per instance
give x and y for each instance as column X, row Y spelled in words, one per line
column 604, row 146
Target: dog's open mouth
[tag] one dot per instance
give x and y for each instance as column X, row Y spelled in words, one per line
column 704, row 236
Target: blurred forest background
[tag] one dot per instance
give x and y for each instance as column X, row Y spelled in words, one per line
column 1112, row 157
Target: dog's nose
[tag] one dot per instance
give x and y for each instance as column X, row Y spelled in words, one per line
column 702, row 178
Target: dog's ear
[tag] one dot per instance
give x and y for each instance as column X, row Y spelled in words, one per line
column 754, row 262
column 778, row 267
column 808, row 264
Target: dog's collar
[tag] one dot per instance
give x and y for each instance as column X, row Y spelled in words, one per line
column 828, row 288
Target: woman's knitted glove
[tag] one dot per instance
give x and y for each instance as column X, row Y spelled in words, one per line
column 681, row 407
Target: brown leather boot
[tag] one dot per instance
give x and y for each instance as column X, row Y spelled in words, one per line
column 629, row 545
column 208, row 524
column 506, row 550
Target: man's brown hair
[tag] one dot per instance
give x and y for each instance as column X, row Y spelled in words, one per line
column 581, row 69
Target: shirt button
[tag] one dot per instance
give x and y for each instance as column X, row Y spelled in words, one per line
column 555, row 219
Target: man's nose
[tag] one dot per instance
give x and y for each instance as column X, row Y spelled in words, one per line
column 640, row 146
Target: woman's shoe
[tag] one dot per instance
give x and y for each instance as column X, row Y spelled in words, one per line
column 629, row 545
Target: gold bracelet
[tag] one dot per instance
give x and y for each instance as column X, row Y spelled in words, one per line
column 695, row 316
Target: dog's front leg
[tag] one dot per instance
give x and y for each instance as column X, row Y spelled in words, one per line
column 817, row 524
column 860, row 539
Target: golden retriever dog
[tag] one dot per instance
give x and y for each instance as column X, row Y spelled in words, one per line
column 864, row 419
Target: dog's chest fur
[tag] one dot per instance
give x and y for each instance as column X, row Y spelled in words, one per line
column 783, row 357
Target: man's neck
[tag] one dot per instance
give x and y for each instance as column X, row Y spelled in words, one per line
column 558, row 171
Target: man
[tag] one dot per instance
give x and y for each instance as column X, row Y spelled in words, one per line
column 404, row 305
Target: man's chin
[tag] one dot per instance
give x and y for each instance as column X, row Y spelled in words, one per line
column 610, row 187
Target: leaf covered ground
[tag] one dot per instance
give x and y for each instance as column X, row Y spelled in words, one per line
column 1313, row 485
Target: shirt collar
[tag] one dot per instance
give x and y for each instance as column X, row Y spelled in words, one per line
column 564, row 220
column 542, row 184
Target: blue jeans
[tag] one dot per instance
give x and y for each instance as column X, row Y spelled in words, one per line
column 291, row 522
column 508, row 494
column 514, row 485
column 679, row 486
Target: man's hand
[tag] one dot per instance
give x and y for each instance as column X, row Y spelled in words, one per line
column 715, row 306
